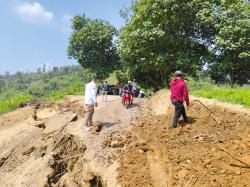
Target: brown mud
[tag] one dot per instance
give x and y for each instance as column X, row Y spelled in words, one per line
column 214, row 150
column 45, row 145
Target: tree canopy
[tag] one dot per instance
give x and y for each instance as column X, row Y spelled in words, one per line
column 92, row 45
column 231, row 47
column 165, row 35
column 161, row 36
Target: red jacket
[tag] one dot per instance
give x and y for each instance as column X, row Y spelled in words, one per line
column 179, row 90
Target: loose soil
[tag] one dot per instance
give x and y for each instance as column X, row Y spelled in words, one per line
column 46, row 145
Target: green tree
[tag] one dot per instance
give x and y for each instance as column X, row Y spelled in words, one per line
column 7, row 74
column 20, row 81
column 39, row 70
column 36, row 91
column 231, row 49
column 91, row 44
column 162, row 36
column 44, row 68
column 2, row 84
column 55, row 69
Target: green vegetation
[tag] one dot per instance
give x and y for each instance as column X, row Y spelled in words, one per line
column 91, row 44
column 12, row 103
column 199, row 37
column 164, row 35
column 161, row 36
column 237, row 95
column 75, row 89
column 54, row 85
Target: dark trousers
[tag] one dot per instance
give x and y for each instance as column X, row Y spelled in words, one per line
column 179, row 110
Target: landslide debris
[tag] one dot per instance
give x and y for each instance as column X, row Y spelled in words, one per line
column 214, row 150
column 37, row 151
column 46, row 146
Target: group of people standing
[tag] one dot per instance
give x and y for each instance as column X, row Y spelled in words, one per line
column 178, row 88
column 130, row 87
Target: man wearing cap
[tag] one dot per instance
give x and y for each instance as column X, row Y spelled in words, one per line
column 179, row 94
column 90, row 102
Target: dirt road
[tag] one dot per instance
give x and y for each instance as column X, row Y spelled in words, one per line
column 127, row 147
column 37, row 144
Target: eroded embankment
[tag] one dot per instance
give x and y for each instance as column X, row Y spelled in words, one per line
column 47, row 146
column 37, row 151
column 214, row 150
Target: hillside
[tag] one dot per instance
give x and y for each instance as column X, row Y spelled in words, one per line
column 54, row 85
column 46, row 146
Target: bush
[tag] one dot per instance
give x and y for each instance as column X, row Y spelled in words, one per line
column 12, row 103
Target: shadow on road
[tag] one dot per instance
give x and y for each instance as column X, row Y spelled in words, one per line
column 134, row 106
column 192, row 120
column 107, row 124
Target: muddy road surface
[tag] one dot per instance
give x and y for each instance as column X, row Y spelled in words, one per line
column 47, row 146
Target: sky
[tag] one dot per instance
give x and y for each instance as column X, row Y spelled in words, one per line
column 33, row 33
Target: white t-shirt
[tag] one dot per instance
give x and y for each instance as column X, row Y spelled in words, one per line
column 90, row 93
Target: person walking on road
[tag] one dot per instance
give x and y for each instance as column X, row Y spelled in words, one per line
column 179, row 94
column 90, row 102
column 105, row 90
column 121, row 88
column 134, row 88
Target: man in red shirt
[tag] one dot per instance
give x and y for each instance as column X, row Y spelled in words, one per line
column 179, row 94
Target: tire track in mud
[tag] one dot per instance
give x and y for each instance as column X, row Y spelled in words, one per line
column 160, row 177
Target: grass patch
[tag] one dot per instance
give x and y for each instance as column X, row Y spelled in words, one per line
column 11, row 99
column 12, row 103
column 75, row 89
column 237, row 95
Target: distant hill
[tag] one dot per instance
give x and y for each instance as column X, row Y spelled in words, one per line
column 53, row 85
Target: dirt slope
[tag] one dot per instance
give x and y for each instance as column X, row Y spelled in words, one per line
column 208, row 152
column 127, row 147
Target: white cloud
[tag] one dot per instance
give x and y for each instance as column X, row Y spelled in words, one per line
column 34, row 12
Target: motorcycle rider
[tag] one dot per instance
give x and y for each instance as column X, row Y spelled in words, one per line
column 128, row 89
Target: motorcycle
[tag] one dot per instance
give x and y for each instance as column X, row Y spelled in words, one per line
column 127, row 99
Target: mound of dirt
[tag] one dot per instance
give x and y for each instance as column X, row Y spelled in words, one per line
column 16, row 116
column 214, row 150
column 36, row 151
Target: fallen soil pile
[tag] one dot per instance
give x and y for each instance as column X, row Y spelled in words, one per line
column 214, row 150
column 46, row 146
column 36, row 151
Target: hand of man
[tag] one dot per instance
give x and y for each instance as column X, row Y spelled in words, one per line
column 96, row 104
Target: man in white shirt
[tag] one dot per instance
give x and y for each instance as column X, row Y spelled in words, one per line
column 90, row 102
